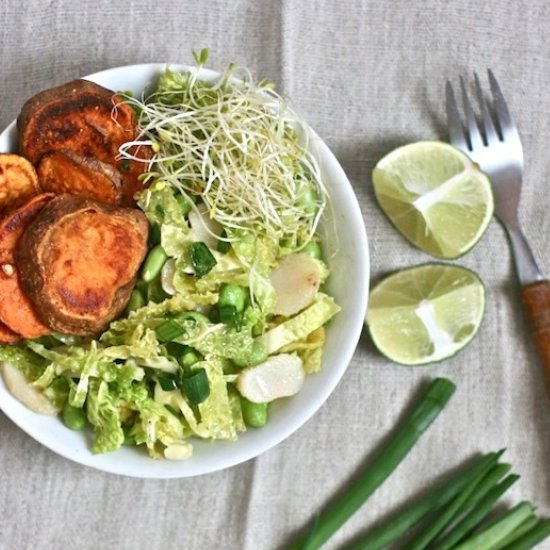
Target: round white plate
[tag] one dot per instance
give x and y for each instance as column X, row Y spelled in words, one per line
column 349, row 284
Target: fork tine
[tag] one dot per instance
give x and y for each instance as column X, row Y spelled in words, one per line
column 507, row 128
column 473, row 134
column 489, row 129
column 456, row 130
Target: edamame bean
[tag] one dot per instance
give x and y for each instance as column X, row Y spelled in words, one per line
column 155, row 292
column 153, row 263
column 188, row 358
column 195, row 316
column 74, row 417
column 129, row 440
column 313, row 249
column 254, row 414
column 230, row 316
column 136, row 301
column 307, row 199
column 255, row 356
column 223, row 245
column 258, row 354
column 232, row 295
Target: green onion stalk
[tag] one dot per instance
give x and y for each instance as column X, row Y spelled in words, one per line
column 392, row 453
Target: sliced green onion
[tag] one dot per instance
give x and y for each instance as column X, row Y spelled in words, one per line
column 154, row 235
column 230, row 316
column 398, row 525
column 185, row 355
column 476, row 515
column 167, row 381
column 196, row 387
column 174, row 349
column 392, row 453
column 169, row 330
column 201, row 258
column 223, row 245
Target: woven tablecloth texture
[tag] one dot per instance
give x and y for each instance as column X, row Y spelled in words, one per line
column 368, row 76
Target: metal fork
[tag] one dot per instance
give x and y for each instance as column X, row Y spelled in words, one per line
column 492, row 141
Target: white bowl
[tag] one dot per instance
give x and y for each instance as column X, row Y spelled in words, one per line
column 349, row 284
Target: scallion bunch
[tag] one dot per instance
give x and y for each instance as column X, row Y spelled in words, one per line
column 457, row 515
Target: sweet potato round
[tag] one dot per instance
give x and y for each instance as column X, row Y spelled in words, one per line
column 87, row 119
column 7, row 336
column 63, row 172
column 18, row 181
column 17, row 312
column 79, row 261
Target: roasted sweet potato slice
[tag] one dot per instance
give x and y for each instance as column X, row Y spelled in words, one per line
column 79, row 260
column 89, row 178
column 17, row 312
column 85, row 118
column 79, row 116
column 18, row 181
column 7, row 336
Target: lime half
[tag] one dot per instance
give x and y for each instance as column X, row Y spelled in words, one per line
column 435, row 196
column 425, row 313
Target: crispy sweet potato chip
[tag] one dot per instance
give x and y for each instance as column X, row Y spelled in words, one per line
column 18, row 181
column 87, row 119
column 66, row 172
column 16, row 310
column 79, row 261
column 7, row 336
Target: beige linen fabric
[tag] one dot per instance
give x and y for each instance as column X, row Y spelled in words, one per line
column 368, row 76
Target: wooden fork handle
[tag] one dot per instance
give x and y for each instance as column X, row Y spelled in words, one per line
column 536, row 306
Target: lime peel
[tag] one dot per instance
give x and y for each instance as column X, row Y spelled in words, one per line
column 425, row 313
column 435, row 196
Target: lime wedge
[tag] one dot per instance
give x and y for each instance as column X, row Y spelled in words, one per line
column 436, row 197
column 425, row 313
